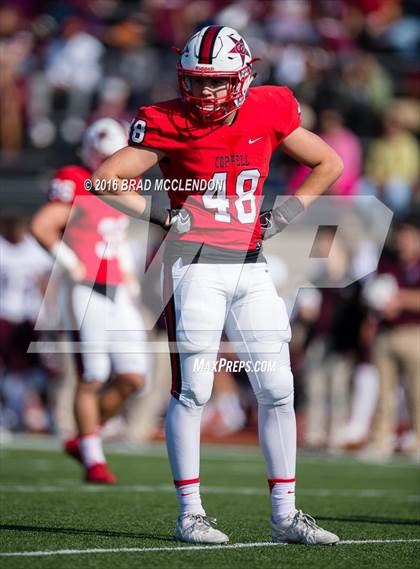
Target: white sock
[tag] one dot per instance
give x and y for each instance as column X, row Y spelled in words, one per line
column 282, row 499
column 182, row 425
column 91, row 450
column 277, row 434
column 189, row 497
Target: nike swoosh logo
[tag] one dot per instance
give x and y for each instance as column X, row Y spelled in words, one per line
column 189, row 494
column 252, row 140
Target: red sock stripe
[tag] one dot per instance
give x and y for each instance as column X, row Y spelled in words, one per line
column 273, row 481
column 179, row 483
column 207, row 44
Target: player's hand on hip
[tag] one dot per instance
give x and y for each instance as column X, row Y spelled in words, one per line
column 179, row 220
column 274, row 220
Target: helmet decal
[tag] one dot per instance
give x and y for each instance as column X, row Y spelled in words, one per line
column 205, row 54
column 240, row 48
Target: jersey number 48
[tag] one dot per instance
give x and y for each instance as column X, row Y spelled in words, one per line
column 244, row 201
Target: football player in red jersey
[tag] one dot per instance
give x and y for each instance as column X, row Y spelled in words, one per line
column 87, row 237
column 215, row 276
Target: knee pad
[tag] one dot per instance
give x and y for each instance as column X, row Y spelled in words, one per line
column 276, row 388
column 196, row 395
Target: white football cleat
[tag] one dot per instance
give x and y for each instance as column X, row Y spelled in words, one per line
column 196, row 528
column 301, row 528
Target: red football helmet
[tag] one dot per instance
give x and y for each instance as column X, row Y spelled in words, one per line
column 215, row 52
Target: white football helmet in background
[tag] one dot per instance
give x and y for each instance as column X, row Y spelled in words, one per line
column 101, row 139
column 215, row 52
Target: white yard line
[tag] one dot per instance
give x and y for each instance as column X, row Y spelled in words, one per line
column 180, row 548
column 70, row 485
column 216, row 452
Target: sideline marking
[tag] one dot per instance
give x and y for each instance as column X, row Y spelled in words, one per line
column 188, row 548
column 70, row 485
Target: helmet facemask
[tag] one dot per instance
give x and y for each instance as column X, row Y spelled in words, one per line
column 215, row 109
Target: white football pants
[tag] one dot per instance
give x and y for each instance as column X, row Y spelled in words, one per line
column 202, row 300
column 110, row 332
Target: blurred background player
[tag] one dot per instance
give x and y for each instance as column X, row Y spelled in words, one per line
column 24, row 272
column 87, row 239
column 394, row 295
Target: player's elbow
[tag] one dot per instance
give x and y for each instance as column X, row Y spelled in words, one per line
column 335, row 166
column 40, row 230
column 45, row 228
column 37, row 227
column 101, row 178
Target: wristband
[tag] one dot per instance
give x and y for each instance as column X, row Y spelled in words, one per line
column 154, row 213
column 290, row 209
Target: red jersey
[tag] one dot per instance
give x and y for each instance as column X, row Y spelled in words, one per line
column 95, row 231
column 236, row 157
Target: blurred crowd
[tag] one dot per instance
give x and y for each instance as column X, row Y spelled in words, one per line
column 354, row 67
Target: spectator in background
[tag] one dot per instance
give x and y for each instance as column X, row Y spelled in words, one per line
column 335, row 317
column 112, row 101
column 131, row 58
column 347, row 146
column 15, row 48
column 290, row 21
column 24, row 270
column 395, row 294
column 366, row 83
column 393, row 164
column 365, row 91
column 73, row 68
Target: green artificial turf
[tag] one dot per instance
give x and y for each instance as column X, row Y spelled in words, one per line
column 45, row 507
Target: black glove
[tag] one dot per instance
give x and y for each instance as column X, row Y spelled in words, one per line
column 179, row 219
column 273, row 221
